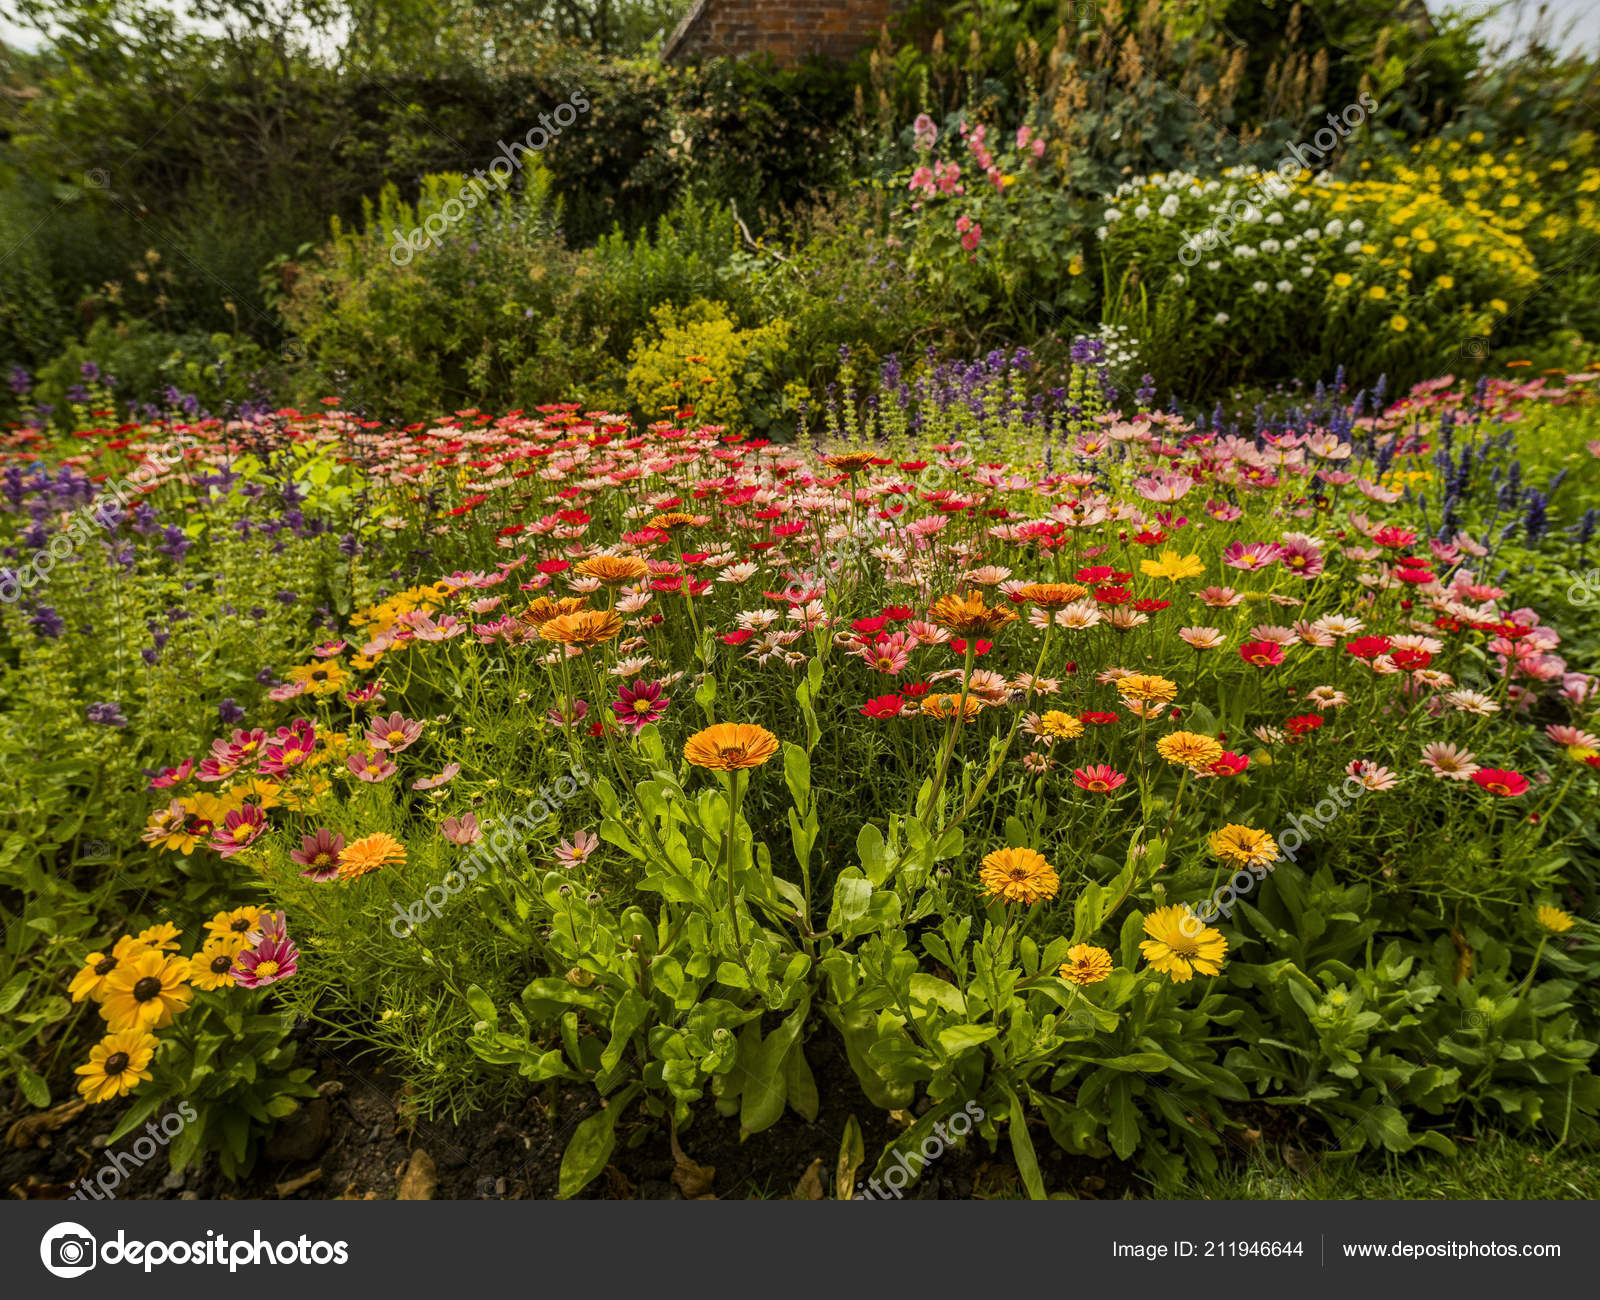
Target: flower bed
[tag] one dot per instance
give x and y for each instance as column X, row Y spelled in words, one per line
column 1083, row 778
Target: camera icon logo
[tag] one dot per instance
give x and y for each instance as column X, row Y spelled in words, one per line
column 68, row 1250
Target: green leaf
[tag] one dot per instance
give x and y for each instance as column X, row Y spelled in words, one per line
column 963, row 1038
column 483, row 1007
column 765, row 1085
column 852, row 1151
column 1022, row 1149
column 802, row 1085
column 592, row 1143
column 35, row 1091
column 12, row 993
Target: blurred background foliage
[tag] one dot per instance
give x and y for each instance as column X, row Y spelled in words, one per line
column 199, row 195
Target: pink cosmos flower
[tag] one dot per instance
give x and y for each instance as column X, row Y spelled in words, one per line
column 274, row 959
column 171, row 776
column 239, row 830
column 438, row 779
column 319, row 855
column 1251, row 556
column 371, row 767
column 394, row 733
column 573, row 852
column 562, row 718
column 461, row 830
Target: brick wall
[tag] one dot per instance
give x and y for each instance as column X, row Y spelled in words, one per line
column 789, row 30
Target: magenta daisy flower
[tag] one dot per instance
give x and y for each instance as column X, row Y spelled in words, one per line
column 239, row 830
column 319, row 855
column 639, row 704
column 275, row 958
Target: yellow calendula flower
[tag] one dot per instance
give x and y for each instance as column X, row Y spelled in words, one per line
column 1377, row 291
column 1147, row 687
column 1085, row 964
column 1019, row 876
column 1057, row 724
column 1242, row 846
column 1554, row 919
column 1172, row 566
column 1189, row 749
column 1180, row 947
column 1398, row 324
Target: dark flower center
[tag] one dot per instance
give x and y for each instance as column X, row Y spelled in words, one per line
column 221, row 964
column 116, row 1063
column 146, row 989
column 241, row 925
column 105, row 966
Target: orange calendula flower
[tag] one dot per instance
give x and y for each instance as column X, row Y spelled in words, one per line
column 1189, row 749
column 1019, row 876
column 968, row 616
column 588, row 627
column 849, row 462
column 945, row 707
column 1179, row 946
column 672, row 521
column 1051, row 595
column 370, row 853
column 541, row 611
column 1085, row 964
column 614, row 569
column 730, row 746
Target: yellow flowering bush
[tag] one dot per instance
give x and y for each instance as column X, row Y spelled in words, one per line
column 1378, row 275
column 698, row 357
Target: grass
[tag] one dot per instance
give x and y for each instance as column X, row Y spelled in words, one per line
column 1492, row 1166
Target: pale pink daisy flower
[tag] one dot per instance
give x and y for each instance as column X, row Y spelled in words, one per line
column 1201, row 638
column 1219, row 597
column 1323, row 698
column 1471, row 702
column 1371, row 775
column 1449, row 762
column 1078, row 616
